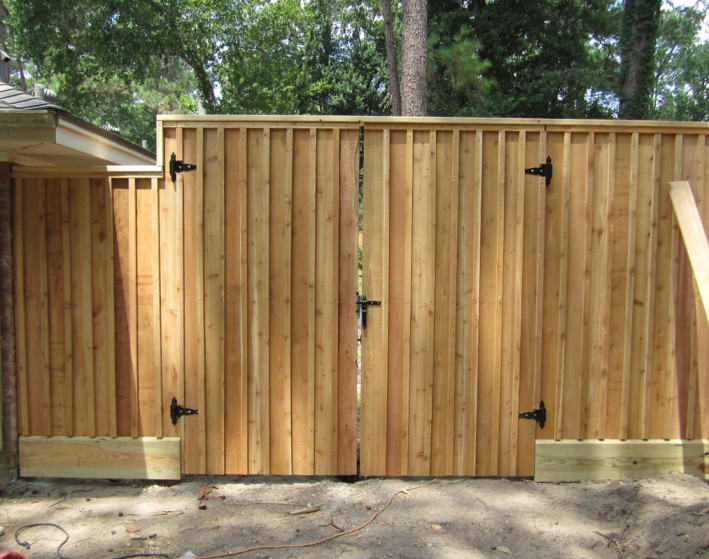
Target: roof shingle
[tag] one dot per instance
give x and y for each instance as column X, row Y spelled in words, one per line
column 13, row 99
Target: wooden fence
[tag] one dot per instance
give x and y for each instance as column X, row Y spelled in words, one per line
column 499, row 292
column 233, row 290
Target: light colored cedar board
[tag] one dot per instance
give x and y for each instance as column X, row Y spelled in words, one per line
column 565, row 202
column 599, row 293
column 213, row 188
column 624, row 211
column 487, row 306
column 281, row 172
column 571, row 460
column 148, row 411
column 235, row 421
column 467, row 327
column 422, row 305
column 258, row 267
column 463, row 296
column 373, row 439
column 644, row 283
column 326, row 280
column 302, row 327
column 551, row 313
column 348, row 271
column 398, row 311
column 99, row 457
column 664, row 321
column 701, row 420
column 447, row 180
column 102, row 306
column 55, row 309
column 172, row 308
column 531, row 325
column 68, row 304
column 161, row 398
column 35, row 294
column 194, row 428
column 513, row 244
column 82, row 323
column 575, row 369
column 132, row 304
column 121, row 263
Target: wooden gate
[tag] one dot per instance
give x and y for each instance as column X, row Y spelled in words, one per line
column 266, row 233
column 453, row 239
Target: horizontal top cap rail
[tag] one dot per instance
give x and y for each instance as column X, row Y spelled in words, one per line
column 257, row 121
column 427, row 122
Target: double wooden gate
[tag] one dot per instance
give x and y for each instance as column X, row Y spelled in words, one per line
column 233, row 290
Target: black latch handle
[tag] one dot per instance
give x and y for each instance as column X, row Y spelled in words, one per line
column 362, row 304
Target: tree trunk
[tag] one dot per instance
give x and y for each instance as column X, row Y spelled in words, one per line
column 394, row 89
column 641, row 20
column 414, row 91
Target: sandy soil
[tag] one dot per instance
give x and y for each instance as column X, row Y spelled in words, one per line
column 666, row 517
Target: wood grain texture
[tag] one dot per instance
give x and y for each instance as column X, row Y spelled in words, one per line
column 100, row 457
column 570, row 460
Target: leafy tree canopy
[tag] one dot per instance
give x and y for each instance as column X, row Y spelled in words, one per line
column 123, row 61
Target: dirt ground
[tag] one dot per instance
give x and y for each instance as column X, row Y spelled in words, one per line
column 665, row 517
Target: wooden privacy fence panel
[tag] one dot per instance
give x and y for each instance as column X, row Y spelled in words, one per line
column 621, row 336
column 262, row 319
column 498, row 292
column 63, row 231
column 232, row 290
column 453, row 240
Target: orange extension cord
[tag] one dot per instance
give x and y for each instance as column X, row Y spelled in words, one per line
column 322, row 540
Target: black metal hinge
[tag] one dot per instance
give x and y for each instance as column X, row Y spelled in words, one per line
column 177, row 166
column 362, row 304
column 540, row 415
column 177, row 411
column 544, row 170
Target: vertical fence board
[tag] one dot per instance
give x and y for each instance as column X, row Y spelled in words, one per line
column 302, row 327
column 280, row 287
column 195, row 429
column 213, row 196
column 258, row 167
column 374, row 341
column 102, row 306
column 55, row 285
column 82, row 321
column 348, row 175
column 467, row 296
column 235, row 415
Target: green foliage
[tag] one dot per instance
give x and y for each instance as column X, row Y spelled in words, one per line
column 682, row 76
column 638, row 38
column 124, row 61
column 461, row 86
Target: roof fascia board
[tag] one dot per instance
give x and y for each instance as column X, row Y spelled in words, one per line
column 76, row 134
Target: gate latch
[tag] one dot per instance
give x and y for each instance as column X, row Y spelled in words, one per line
column 178, row 411
column 177, row 166
column 362, row 303
column 540, row 415
column 544, row 170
